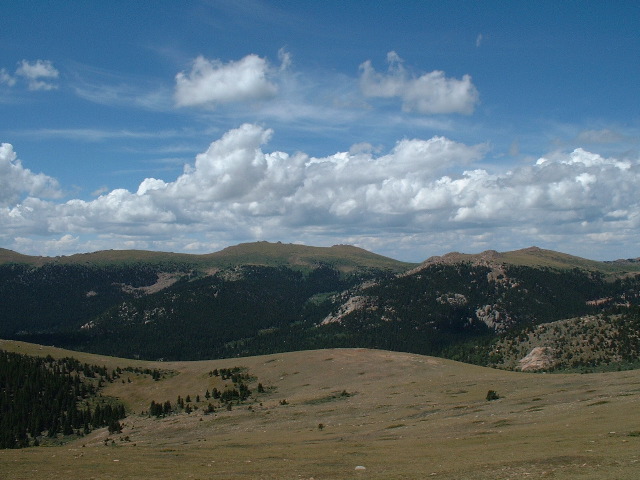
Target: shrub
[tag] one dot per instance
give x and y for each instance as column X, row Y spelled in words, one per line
column 492, row 395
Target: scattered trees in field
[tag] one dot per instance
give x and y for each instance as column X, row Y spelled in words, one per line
column 213, row 398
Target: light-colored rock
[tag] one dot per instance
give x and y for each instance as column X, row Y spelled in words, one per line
column 540, row 358
column 357, row 302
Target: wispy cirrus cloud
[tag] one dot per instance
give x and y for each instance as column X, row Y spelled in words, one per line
column 6, row 78
column 604, row 135
column 151, row 97
column 116, row 89
column 103, row 134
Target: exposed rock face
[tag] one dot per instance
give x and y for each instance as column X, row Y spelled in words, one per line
column 455, row 299
column 493, row 318
column 357, row 302
column 165, row 280
column 540, row 358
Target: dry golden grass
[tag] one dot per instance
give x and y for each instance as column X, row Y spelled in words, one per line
column 538, row 258
column 345, row 258
column 406, row 417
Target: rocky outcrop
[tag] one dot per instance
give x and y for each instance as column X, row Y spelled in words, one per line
column 540, row 358
column 493, row 318
column 455, row 299
column 357, row 302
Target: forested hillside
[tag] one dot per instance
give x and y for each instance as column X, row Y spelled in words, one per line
column 461, row 310
column 154, row 305
column 45, row 398
column 56, row 297
column 238, row 312
column 266, row 298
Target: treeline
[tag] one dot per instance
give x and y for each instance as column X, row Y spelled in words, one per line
column 627, row 327
column 48, row 397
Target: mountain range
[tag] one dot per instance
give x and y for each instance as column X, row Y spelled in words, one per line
column 490, row 308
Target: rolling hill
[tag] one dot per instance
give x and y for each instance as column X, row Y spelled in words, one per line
column 353, row 413
column 537, row 258
column 343, row 257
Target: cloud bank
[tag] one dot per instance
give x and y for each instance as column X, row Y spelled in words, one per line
column 432, row 189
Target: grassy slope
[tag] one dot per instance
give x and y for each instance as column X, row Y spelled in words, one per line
column 536, row 257
column 409, row 416
column 343, row 257
column 9, row 256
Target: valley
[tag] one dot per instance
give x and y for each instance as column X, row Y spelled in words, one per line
column 404, row 416
column 347, row 364
column 263, row 298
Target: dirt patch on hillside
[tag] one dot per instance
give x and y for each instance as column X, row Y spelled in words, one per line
column 164, row 280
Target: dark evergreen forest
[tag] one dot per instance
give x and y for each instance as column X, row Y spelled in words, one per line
column 45, row 397
column 55, row 297
column 250, row 310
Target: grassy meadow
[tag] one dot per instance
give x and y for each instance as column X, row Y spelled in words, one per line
column 353, row 414
column 345, row 258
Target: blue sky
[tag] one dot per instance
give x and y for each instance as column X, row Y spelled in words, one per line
column 408, row 128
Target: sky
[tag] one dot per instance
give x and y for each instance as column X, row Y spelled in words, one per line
column 410, row 129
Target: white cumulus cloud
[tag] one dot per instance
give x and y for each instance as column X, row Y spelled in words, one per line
column 211, row 82
column 39, row 74
column 429, row 93
column 15, row 180
column 435, row 189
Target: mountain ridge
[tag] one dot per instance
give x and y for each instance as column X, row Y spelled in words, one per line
column 533, row 256
column 345, row 257
column 263, row 297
